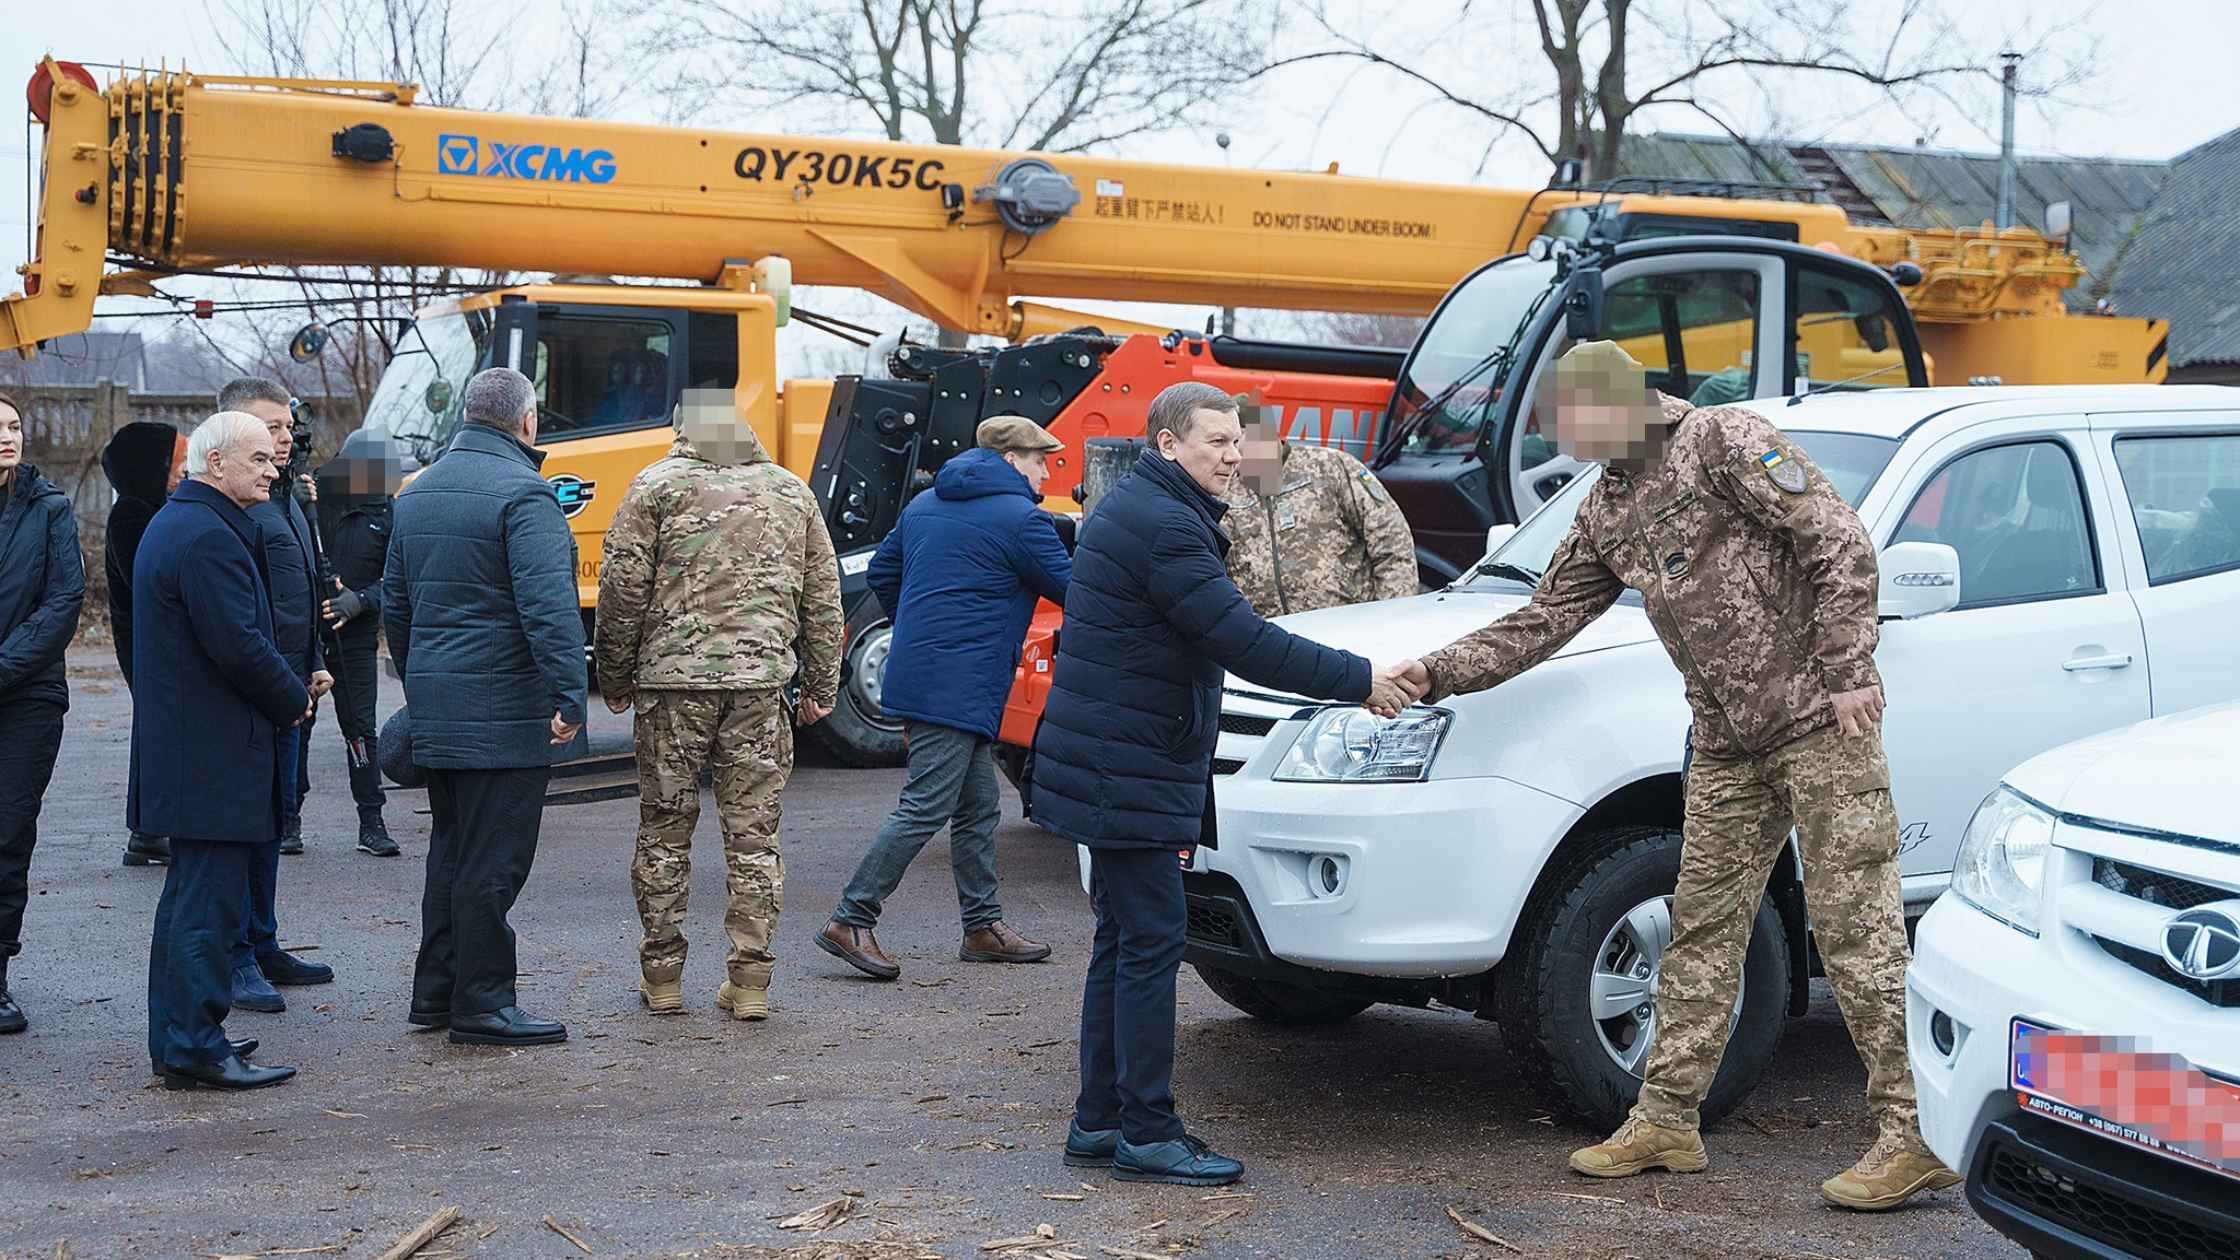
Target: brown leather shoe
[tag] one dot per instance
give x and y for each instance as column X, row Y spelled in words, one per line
column 998, row 943
column 858, row 948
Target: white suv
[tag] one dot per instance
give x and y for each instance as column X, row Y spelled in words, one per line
column 2097, row 897
column 2065, row 561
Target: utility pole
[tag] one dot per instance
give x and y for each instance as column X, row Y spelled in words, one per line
column 1228, row 313
column 2005, row 217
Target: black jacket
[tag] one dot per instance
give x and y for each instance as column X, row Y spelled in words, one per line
column 354, row 528
column 138, row 462
column 42, row 587
column 284, row 534
column 1124, row 755
column 478, row 603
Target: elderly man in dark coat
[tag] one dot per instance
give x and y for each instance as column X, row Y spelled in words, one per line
column 479, row 605
column 1123, row 759
column 205, row 664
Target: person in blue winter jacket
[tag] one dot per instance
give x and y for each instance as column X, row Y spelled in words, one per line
column 960, row 574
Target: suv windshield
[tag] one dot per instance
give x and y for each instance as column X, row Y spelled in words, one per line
column 422, row 389
column 1851, row 462
column 1454, row 363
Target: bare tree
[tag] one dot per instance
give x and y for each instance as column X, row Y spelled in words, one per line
column 1609, row 62
column 1009, row 75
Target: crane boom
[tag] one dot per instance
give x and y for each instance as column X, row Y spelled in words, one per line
column 175, row 170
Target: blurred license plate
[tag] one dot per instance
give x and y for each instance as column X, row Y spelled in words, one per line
column 2118, row 1088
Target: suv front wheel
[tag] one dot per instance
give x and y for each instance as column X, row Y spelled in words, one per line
column 1577, row 995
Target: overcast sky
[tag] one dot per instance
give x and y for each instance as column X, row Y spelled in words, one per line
column 2165, row 81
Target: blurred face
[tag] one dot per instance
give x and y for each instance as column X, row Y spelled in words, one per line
column 245, row 471
column 11, row 441
column 379, row 471
column 1213, row 451
column 279, row 424
column 1606, row 414
column 1033, row 465
column 1261, row 451
column 709, row 421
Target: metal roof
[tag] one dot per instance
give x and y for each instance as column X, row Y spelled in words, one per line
column 2185, row 264
column 1931, row 188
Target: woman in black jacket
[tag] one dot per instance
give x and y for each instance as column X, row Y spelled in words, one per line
column 1124, row 756
column 42, row 585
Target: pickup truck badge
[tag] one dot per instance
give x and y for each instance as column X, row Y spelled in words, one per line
column 1784, row 474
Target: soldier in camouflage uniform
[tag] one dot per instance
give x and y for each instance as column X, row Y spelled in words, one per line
column 1760, row 581
column 1311, row 528
column 718, row 584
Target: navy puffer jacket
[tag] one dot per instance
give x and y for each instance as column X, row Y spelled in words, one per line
column 42, row 586
column 479, row 606
column 1124, row 757
column 960, row 574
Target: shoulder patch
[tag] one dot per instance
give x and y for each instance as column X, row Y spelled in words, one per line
column 1375, row 487
column 1784, row 474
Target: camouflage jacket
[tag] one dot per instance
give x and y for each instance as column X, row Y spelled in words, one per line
column 718, row 577
column 1755, row 573
column 1329, row 535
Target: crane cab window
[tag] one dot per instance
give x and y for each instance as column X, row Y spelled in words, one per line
column 599, row 375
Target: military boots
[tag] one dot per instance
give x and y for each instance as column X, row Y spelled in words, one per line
column 1639, row 1146
column 1893, row 1170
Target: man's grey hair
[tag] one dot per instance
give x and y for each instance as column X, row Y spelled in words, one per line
column 497, row 398
column 243, row 390
column 1179, row 404
column 221, row 432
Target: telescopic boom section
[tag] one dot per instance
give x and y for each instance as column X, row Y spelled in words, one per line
column 173, row 170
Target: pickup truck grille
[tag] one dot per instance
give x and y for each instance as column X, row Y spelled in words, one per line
column 1246, row 724
column 2221, row 993
column 2154, row 887
column 1227, row 765
column 2137, row 1227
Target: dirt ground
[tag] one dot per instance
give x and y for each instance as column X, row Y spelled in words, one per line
column 932, row 1108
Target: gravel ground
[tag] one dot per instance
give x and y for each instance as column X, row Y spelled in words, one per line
column 933, row 1106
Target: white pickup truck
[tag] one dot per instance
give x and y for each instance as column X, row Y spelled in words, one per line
column 2055, row 562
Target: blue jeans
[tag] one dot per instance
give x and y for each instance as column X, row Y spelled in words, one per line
column 1127, row 1003
column 952, row 784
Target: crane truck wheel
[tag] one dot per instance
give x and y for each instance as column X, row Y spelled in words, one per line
column 859, row 732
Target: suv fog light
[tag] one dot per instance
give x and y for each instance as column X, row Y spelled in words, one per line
column 1941, row 1033
column 1326, row 875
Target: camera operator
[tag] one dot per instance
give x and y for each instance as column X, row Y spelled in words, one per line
column 356, row 490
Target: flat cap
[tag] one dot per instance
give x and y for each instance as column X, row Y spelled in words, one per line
column 1015, row 433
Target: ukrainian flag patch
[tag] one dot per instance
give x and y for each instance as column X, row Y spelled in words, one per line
column 1784, row 474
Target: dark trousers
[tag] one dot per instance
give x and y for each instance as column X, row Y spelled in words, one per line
column 952, row 784
column 295, row 768
column 484, row 839
column 30, row 736
column 357, row 675
column 1127, row 1005
column 190, row 979
column 260, row 919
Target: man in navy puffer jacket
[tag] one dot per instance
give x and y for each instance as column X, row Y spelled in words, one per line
column 960, row 574
column 1123, row 759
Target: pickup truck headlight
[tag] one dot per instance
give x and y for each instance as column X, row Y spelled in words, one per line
column 1350, row 745
column 2002, row 861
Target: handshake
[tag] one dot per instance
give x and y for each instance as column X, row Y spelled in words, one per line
column 1395, row 687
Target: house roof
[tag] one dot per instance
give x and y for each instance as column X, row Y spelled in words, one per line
column 1931, row 188
column 2185, row 264
column 83, row 359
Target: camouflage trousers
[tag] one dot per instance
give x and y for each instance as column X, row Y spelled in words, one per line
column 1835, row 789
column 744, row 737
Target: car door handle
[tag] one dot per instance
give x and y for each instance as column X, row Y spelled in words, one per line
column 2113, row 660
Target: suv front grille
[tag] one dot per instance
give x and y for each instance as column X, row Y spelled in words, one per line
column 1227, row 765
column 1213, row 923
column 1245, row 724
column 2136, row 1229
column 2224, row 993
column 2154, row 887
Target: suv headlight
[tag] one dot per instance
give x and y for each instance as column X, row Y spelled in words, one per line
column 1351, row 745
column 2001, row 866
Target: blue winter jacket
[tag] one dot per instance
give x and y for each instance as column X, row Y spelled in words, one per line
column 478, row 602
column 1124, row 756
column 960, row 573
column 211, row 696
column 42, row 587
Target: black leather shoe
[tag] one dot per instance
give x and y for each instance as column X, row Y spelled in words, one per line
column 426, row 1018
column 291, row 840
column 1090, row 1148
column 242, row 1049
column 509, row 1026
column 232, row 1074
column 282, row 967
column 373, row 835
column 11, row 1015
column 141, row 849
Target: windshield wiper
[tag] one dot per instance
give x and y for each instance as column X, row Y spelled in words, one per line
column 1515, row 572
column 1399, row 435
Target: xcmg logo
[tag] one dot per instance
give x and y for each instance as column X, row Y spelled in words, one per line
column 458, row 154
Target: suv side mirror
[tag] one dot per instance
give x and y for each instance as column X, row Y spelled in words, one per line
column 1498, row 535
column 1918, row 579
